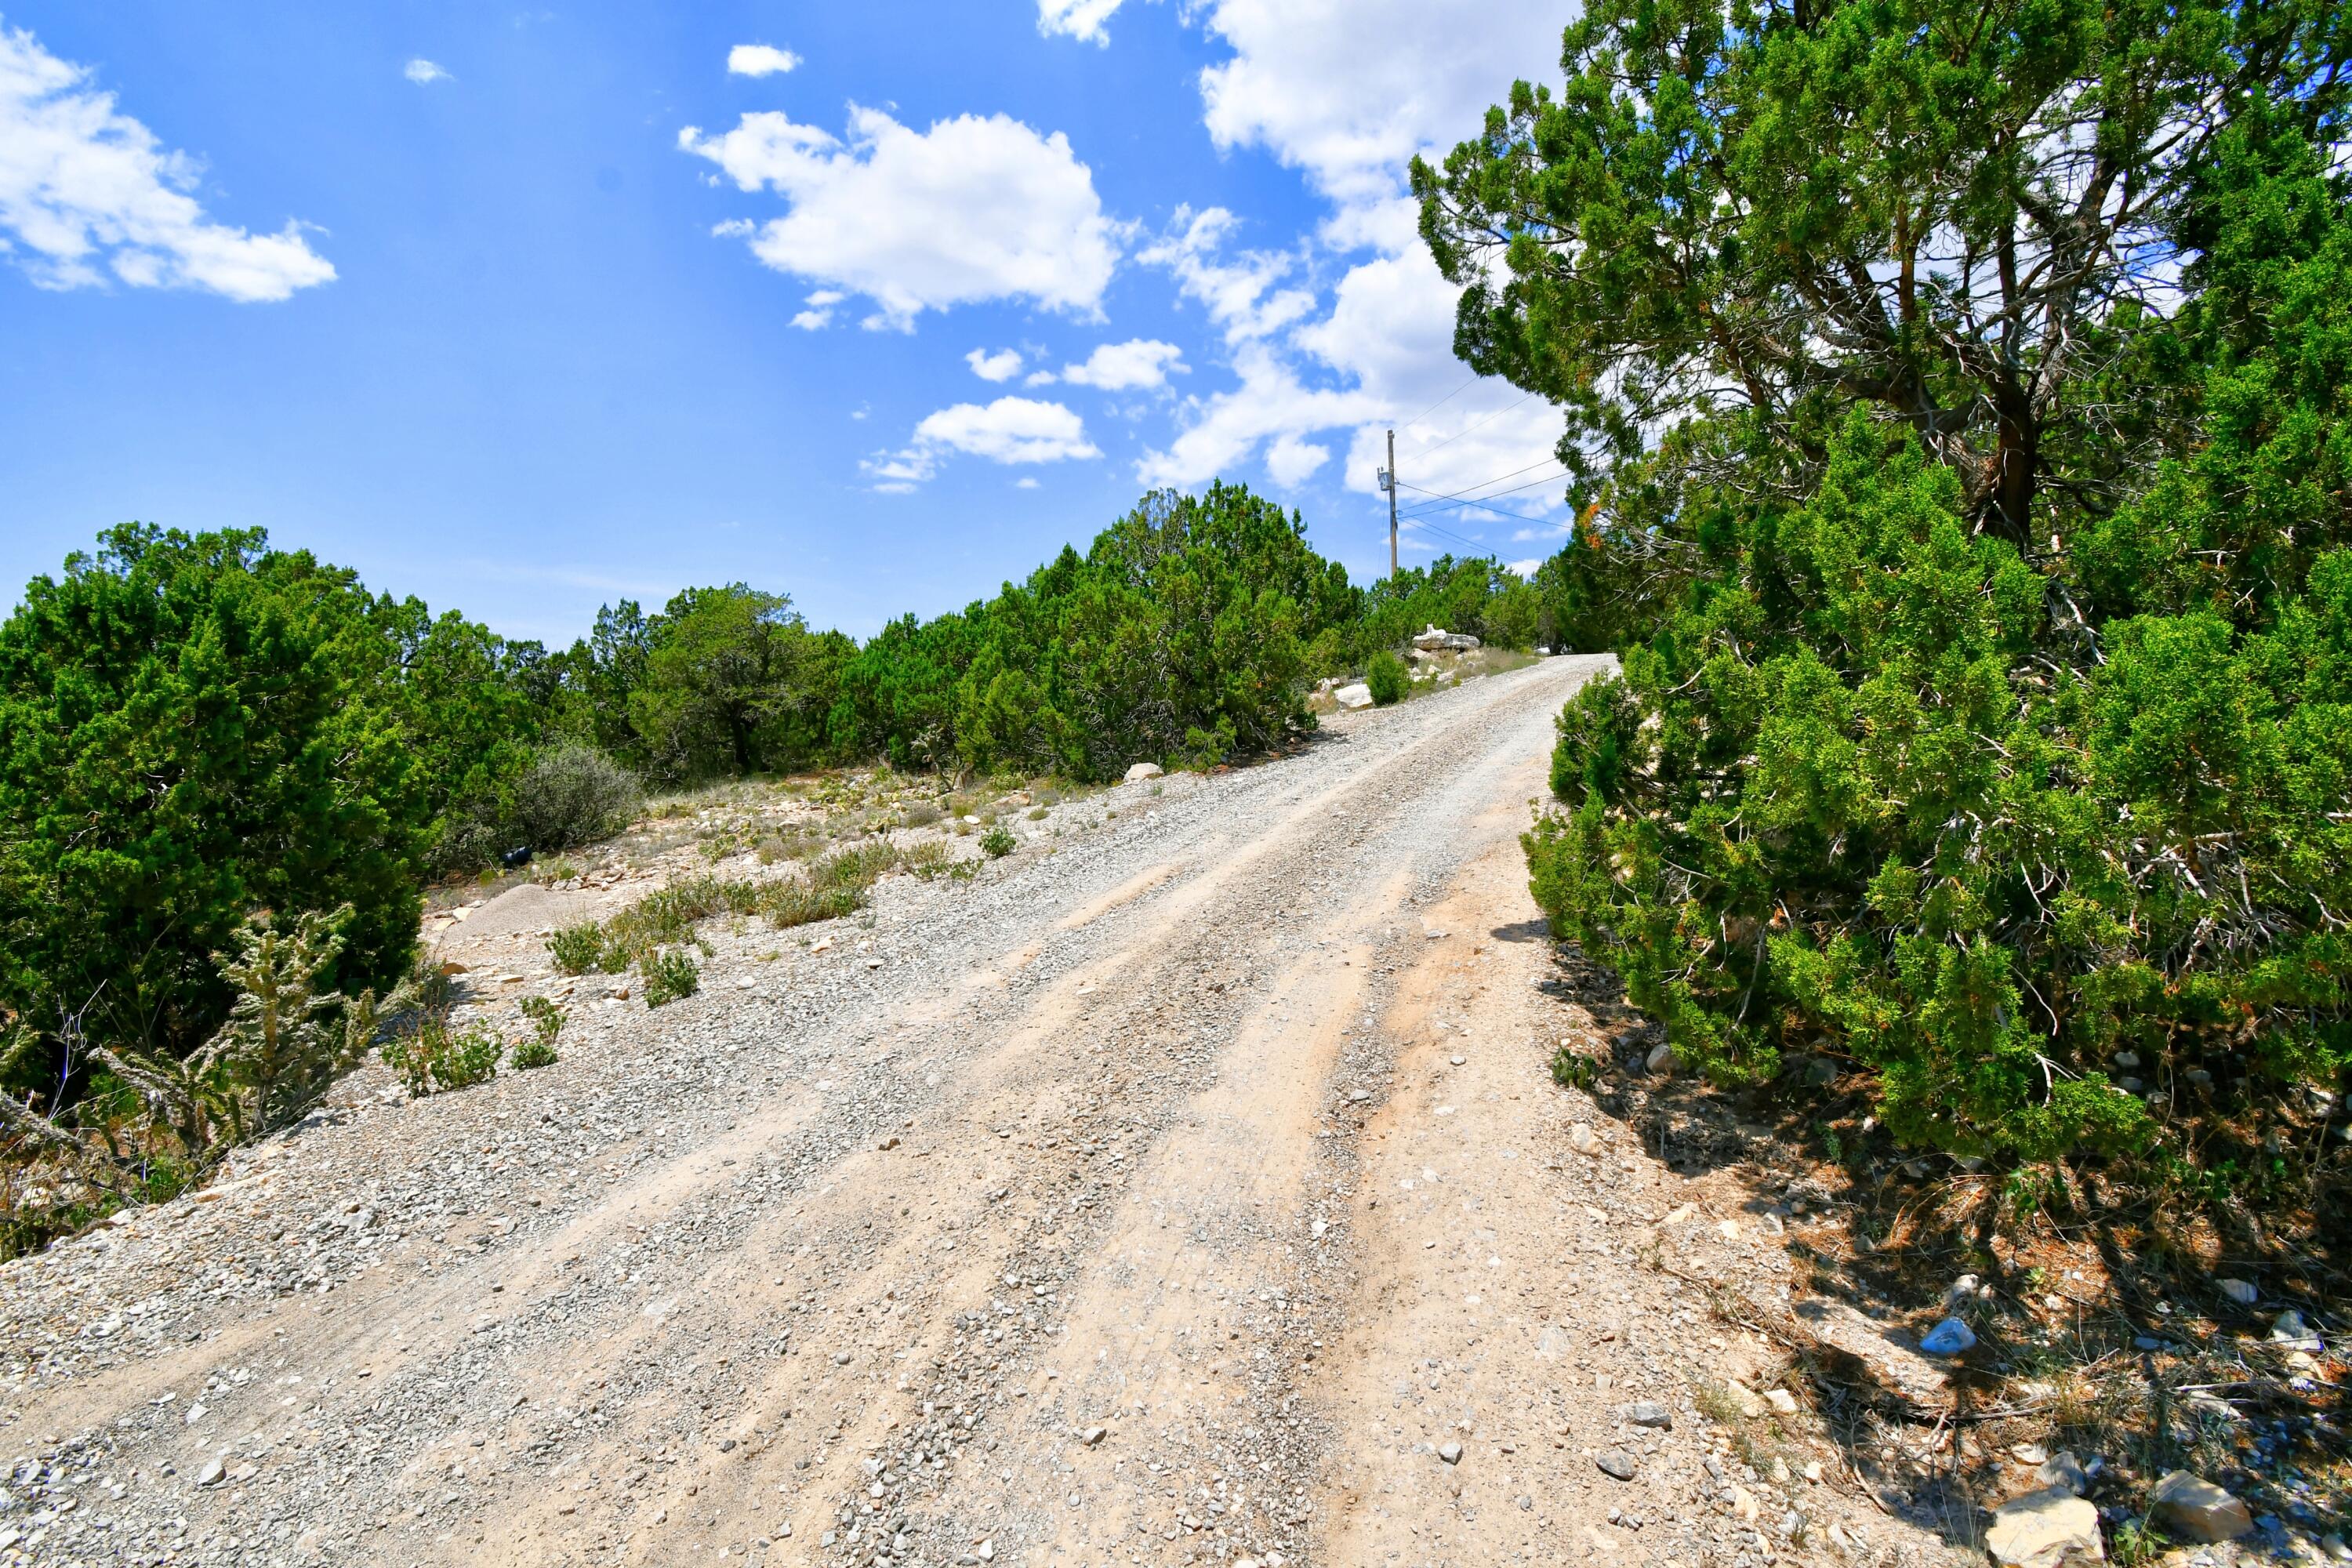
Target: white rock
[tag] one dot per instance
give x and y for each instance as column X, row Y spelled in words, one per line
column 1782, row 1401
column 2197, row 1509
column 1662, row 1060
column 1355, row 695
column 2045, row 1529
column 2240, row 1291
column 1143, row 771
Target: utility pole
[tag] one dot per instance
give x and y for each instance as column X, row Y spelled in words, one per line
column 1389, row 483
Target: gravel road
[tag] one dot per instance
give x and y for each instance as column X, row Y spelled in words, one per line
column 1188, row 1189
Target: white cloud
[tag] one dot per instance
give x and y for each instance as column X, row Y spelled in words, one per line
column 86, row 192
column 1080, row 19
column 759, row 60
column 1526, row 568
column 1125, row 367
column 1291, row 461
column 424, row 73
column 1240, row 294
column 819, row 312
column 1009, row 430
column 1348, row 90
column 1025, row 482
column 970, row 209
column 1001, row 365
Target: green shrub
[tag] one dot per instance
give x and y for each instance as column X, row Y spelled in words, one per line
column 570, row 796
column 578, row 949
column 436, row 1058
column 669, row 974
column 997, row 842
column 547, row 1022
column 1386, row 675
column 195, row 727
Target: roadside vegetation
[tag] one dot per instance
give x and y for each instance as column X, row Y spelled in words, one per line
column 1956, row 405
column 206, row 741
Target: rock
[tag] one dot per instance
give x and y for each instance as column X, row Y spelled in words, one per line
column 1950, row 1337
column 1744, row 1504
column 1354, row 695
column 1615, row 1463
column 1821, row 1072
column 1892, row 1365
column 2045, row 1529
column 1960, row 1292
column 1452, row 642
column 1143, row 771
column 889, row 1143
column 1450, row 1452
column 1782, row 1401
column 2240, row 1291
column 985, row 1552
column 1660, row 1060
column 1093, row 1435
column 2288, row 1329
column 2198, row 1509
column 211, row 1474
column 1580, row 1138
column 1650, row 1413
column 2062, row 1471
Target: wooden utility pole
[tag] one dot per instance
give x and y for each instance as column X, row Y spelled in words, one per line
column 1389, row 483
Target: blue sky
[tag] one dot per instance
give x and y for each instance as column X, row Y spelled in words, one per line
column 877, row 305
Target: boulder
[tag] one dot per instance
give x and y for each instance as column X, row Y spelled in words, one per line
column 1452, row 642
column 2242, row 1291
column 2196, row 1509
column 1660, row 1060
column 1143, row 771
column 2053, row 1528
column 1358, row 695
column 1890, row 1364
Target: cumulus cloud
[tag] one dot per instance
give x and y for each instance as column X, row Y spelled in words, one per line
column 1348, row 92
column 1009, row 430
column 759, row 60
column 86, row 193
column 818, row 312
column 424, row 72
column 1127, row 367
column 1240, row 292
column 1080, row 19
column 1001, row 365
column 970, row 209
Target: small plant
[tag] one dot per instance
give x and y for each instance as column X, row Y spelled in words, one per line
column 997, row 842
column 1572, row 1069
column 1037, row 813
column 438, row 1058
column 578, row 949
column 1386, row 676
column 925, row 859
column 669, row 973
column 2136, row 1541
column 547, row 1022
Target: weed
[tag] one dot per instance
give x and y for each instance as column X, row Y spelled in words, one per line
column 2136, row 1541
column 669, row 973
column 1386, row 677
column 1571, row 1070
column 547, row 1022
column 438, row 1058
column 578, row 949
column 921, row 815
column 1037, row 813
column 925, row 859
column 996, row 843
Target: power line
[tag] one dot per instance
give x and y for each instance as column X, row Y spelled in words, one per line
column 1464, row 491
column 1469, row 544
column 1481, row 424
column 1438, row 503
column 1439, row 403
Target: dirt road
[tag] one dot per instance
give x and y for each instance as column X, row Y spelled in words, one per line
column 1189, row 1190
